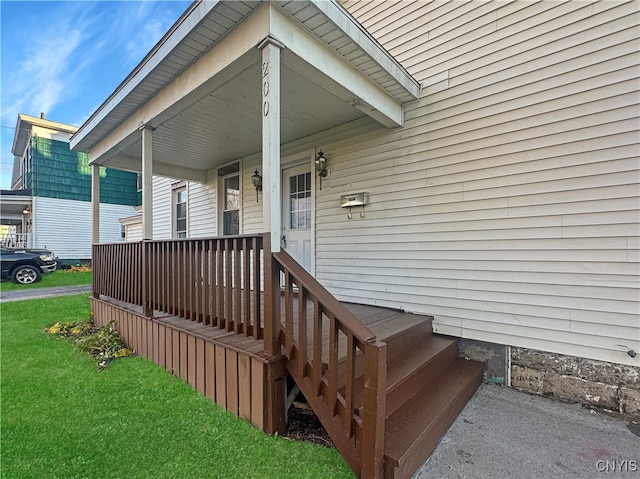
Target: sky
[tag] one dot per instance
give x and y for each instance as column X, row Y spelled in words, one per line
column 65, row 58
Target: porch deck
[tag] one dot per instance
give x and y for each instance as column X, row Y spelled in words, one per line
column 385, row 323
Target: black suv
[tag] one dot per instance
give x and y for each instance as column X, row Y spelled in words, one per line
column 25, row 266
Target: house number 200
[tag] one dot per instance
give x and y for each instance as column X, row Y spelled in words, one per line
column 265, row 88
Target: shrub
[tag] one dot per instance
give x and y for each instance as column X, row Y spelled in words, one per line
column 103, row 343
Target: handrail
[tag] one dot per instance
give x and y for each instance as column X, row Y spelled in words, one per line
column 328, row 301
column 333, row 365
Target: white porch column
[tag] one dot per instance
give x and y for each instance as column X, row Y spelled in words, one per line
column 95, row 204
column 271, row 192
column 147, row 184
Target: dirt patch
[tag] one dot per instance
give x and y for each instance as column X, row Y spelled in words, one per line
column 303, row 425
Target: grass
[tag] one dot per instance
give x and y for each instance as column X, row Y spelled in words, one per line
column 57, row 278
column 62, row 418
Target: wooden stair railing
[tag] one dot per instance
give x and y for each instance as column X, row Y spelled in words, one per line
column 313, row 354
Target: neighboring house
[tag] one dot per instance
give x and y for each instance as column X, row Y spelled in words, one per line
column 132, row 226
column 482, row 166
column 49, row 204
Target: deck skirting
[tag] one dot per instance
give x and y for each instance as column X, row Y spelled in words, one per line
column 232, row 371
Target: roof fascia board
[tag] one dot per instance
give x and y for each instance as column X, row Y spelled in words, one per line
column 18, row 146
column 189, row 20
column 51, row 125
column 212, row 70
column 318, row 56
column 131, row 220
column 8, row 200
column 24, row 131
column 345, row 22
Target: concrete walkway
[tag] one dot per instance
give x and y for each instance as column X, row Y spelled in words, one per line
column 504, row 433
column 36, row 293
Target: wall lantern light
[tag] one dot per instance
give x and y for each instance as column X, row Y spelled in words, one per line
column 256, row 180
column 321, row 167
column 26, row 210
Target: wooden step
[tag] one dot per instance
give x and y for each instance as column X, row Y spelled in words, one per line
column 417, row 330
column 391, row 325
column 415, row 336
column 408, row 373
column 414, row 429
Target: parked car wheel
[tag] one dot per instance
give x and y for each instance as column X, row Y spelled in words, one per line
column 26, row 274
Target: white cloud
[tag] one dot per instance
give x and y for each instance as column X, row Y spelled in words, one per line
column 143, row 27
column 38, row 81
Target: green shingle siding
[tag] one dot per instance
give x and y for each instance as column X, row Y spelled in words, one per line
column 58, row 172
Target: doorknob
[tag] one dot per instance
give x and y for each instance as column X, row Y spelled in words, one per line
column 283, row 238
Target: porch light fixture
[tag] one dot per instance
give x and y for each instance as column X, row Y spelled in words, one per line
column 256, row 181
column 26, row 210
column 321, row 167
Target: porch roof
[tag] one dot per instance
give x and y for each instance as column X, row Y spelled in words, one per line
column 200, row 87
column 12, row 203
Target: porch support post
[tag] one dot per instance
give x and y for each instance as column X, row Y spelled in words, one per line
column 271, row 194
column 95, row 204
column 147, row 189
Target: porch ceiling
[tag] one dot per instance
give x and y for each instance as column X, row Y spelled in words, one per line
column 202, row 121
column 11, row 207
column 226, row 124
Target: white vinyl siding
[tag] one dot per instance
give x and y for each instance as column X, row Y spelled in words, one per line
column 202, row 210
column 251, row 209
column 64, row 226
column 162, row 214
column 507, row 206
column 133, row 232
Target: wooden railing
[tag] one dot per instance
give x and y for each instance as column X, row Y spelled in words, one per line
column 117, row 271
column 317, row 330
column 215, row 281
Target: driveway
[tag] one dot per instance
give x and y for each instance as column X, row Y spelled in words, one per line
column 36, row 293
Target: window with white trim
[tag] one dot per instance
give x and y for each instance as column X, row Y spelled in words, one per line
column 231, row 201
column 180, row 210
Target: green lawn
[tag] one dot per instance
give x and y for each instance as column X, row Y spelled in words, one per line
column 62, row 418
column 57, row 278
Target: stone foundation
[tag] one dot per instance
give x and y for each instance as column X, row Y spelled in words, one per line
column 598, row 384
column 493, row 355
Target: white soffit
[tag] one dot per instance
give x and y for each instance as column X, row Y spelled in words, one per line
column 206, row 22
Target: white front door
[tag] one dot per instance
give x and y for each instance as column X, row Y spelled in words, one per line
column 297, row 214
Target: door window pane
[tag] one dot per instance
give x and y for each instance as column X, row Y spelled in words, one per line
column 300, row 201
column 231, row 222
